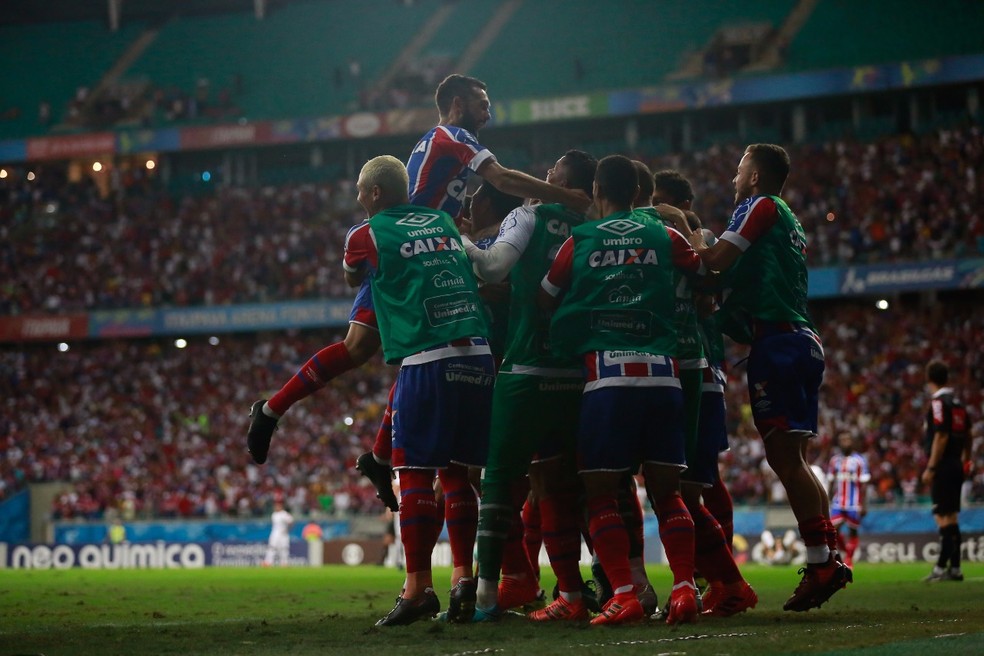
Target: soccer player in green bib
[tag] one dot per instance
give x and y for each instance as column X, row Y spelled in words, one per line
column 762, row 255
column 432, row 323
column 535, row 409
column 612, row 283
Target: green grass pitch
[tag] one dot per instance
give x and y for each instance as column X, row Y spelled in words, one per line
column 331, row 610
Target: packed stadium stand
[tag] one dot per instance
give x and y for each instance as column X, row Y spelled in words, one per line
column 185, row 67
column 119, row 420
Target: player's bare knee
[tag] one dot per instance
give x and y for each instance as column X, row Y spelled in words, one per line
column 361, row 343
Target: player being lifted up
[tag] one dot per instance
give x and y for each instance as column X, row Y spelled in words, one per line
column 439, row 168
column 763, row 252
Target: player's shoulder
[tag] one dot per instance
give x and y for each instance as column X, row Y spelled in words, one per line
column 358, row 227
column 455, row 133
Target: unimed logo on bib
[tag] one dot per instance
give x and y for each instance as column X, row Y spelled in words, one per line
column 621, row 227
column 418, row 219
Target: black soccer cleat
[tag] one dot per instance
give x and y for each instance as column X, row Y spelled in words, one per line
column 461, row 604
column 381, row 477
column 261, row 427
column 603, row 587
column 408, row 611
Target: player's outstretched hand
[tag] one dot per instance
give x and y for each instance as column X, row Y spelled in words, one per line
column 675, row 215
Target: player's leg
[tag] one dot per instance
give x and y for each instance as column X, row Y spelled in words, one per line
column 713, row 427
column 504, row 488
column 360, row 343
column 558, row 492
column 728, row 593
column 375, row 465
column 420, row 445
column 784, row 374
column 851, row 544
column 719, row 503
column 612, row 436
column 465, row 405
column 946, row 507
column 631, row 510
column 947, row 566
column 532, row 534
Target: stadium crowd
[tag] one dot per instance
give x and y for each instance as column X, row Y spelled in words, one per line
column 901, row 198
column 153, row 430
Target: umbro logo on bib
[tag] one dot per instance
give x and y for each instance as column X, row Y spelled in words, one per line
column 418, row 219
column 621, row 227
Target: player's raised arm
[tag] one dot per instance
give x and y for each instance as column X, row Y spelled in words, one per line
column 524, row 185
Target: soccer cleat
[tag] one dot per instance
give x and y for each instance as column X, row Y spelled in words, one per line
column 648, row 599
column 726, row 600
column 954, row 574
column 487, row 615
column 819, row 583
column 461, row 604
column 938, row 574
column 620, row 609
column 514, row 593
column 381, row 477
column 261, row 427
column 408, row 611
column 683, row 605
column 561, row 610
column 603, row 587
column 589, row 594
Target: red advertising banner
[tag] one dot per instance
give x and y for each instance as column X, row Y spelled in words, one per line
column 44, row 328
column 71, row 145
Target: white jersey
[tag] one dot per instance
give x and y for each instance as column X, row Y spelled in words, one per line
column 281, row 520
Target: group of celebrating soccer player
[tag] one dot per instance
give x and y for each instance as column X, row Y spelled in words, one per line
column 561, row 347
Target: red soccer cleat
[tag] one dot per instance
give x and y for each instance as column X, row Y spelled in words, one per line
column 620, row 609
column 561, row 611
column 819, row 583
column 683, row 604
column 726, row 600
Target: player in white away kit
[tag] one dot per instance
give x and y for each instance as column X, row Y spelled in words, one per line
column 279, row 544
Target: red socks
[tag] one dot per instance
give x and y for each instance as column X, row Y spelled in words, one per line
column 558, row 520
column 711, row 555
column 676, row 531
column 718, row 501
column 611, row 540
column 326, row 364
column 460, row 513
column 631, row 510
column 420, row 522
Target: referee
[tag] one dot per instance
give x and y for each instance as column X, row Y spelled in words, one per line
column 949, row 448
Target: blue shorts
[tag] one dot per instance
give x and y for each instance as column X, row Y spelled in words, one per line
column 623, row 427
column 785, row 370
column 442, row 411
column 712, row 439
column 363, row 311
column 840, row 516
